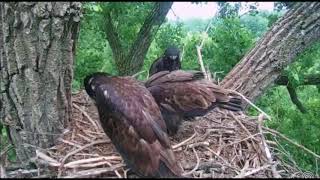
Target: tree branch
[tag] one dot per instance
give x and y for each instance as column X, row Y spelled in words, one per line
column 139, row 48
column 263, row 64
column 113, row 37
column 294, row 98
column 311, row 79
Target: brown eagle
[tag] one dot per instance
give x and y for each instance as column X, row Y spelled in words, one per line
column 132, row 120
column 170, row 61
column 186, row 94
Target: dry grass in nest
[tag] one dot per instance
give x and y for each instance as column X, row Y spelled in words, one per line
column 219, row 145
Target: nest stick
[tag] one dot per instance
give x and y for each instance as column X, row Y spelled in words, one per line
column 94, row 172
column 78, row 150
column 236, row 142
column 197, row 165
column 86, row 115
column 70, row 143
column 91, row 160
column 3, row 173
column 253, row 105
column 292, row 142
column 204, row 144
column 183, row 142
column 253, row 171
column 268, row 154
column 242, row 126
column 43, row 156
column 225, row 162
column 115, row 171
column 201, row 61
column 84, row 137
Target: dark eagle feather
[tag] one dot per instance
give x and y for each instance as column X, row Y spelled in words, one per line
column 185, row 94
column 132, row 120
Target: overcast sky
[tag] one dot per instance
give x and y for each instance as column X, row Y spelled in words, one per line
column 186, row 10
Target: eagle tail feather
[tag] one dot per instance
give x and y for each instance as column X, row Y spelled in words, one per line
column 234, row 104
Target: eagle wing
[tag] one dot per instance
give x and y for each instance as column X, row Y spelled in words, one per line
column 187, row 93
column 155, row 66
column 173, row 76
column 187, row 99
column 138, row 130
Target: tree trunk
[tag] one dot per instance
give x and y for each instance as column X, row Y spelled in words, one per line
column 289, row 36
column 37, row 51
column 131, row 62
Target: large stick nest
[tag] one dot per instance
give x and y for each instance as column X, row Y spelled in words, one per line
column 219, row 145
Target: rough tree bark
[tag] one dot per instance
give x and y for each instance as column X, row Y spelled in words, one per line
column 131, row 62
column 37, row 50
column 290, row 35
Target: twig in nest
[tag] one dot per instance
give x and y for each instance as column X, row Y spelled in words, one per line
column 253, row 105
column 125, row 173
column 197, row 165
column 289, row 140
column 243, row 127
column 87, row 116
column 236, row 142
column 242, row 171
column 183, row 142
column 70, row 143
column 3, row 173
column 205, row 144
column 84, row 137
column 115, row 171
column 48, row 159
column 78, row 150
column 253, row 171
column 201, row 62
column 268, row 154
column 91, row 160
column 94, row 172
column 224, row 161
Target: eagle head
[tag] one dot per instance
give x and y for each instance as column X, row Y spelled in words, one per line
column 92, row 81
column 172, row 53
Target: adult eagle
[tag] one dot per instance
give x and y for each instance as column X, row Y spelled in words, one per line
column 186, row 94
column 132, row 120
column 170, row 61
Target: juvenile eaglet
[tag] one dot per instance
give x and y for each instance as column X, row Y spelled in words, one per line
column 132, row 120
column 170, row 61
column 183, row 95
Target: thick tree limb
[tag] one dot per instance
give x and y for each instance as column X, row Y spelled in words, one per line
column 311, row 79
column 289, row 36
column 294, row 98
column 145, row 36
column 131, row 62
column 113, row 37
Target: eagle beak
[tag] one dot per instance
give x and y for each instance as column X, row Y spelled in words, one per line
column 173, row 57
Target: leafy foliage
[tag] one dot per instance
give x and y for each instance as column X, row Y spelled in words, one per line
column 127, row 17
column 93, row 52
column 230, row 40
